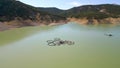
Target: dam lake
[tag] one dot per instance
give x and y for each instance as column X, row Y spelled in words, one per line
column 27, row 47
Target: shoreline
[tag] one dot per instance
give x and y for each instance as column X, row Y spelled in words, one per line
column 6, row 26
column 84, row 21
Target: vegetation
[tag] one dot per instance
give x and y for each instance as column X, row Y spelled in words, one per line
column 51, row 10
column 94, row 11
column 89, row 11
column 12, row 9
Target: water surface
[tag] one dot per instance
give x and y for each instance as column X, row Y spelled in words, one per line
column 27, row 47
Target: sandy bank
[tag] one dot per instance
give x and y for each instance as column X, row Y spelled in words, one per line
column 95, row 21
column 17, row 24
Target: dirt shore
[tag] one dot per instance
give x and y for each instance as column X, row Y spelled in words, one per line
column 17, row 24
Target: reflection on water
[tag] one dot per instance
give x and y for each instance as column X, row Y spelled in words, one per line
column 27, row 47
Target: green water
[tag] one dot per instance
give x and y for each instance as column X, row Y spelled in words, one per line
column 27, row 47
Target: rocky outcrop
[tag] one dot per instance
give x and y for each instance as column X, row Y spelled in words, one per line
column 95, row 21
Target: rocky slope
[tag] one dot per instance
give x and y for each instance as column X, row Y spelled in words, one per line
column 91, row 14
column 16, row 13
column 86, row 21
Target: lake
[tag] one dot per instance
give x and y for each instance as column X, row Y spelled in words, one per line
column 27, row 47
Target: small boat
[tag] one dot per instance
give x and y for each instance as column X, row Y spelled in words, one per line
column 109, row 34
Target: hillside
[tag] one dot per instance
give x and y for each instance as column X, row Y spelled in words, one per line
column 51, row 10
column 95, row 14
column 15, row 10
column 89, row 14
column 95, row 11
column 14, row 13
column 89, row 11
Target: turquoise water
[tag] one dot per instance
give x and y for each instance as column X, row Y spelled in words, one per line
column 27, row 47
